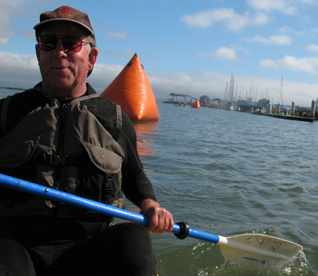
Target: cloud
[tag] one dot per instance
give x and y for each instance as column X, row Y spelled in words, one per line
column 223, row 53
column 288, row 29
column 268, row 63
column 299, row 64
column 284, row 6
column 257, row 15
column 307, row 64
column 312, row 48
column 7, row 9
column 25, row 74
column 103, row 75
column 289, row 7
column 13, row 10
column 18, row 70
column 229, row 17
column 277, row 40
column 118, row 35
column 21, row 61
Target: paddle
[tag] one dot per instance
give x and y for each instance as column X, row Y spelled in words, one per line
column 248, row 249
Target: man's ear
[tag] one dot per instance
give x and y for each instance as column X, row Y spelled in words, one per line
column 92, row 58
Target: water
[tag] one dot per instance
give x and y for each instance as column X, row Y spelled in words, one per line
column 8, row 92
column 231, row 173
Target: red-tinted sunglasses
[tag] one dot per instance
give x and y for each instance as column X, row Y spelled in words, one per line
column 71, row 44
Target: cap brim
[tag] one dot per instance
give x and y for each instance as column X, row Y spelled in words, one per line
column 63, row 19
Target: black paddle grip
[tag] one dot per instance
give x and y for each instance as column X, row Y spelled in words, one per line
column 184, row 230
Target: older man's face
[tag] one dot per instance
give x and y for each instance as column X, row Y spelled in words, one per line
column 64, row 72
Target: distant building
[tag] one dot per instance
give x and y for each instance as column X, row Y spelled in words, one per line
column 216, row 103
column 249, row 104
column 205, row 100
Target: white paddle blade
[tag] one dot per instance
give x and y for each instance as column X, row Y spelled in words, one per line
column 256, row 250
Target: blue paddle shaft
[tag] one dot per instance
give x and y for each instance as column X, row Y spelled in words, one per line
column 52, row 194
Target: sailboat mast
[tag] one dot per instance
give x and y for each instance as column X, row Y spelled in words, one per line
column 281, row 92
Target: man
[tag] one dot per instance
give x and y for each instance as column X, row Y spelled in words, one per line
column 61, row 134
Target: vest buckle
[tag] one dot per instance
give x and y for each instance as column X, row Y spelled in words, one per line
column 54, row 159
column 109, row 184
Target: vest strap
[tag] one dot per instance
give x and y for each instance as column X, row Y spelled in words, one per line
column 4, row 111
column 55, row 160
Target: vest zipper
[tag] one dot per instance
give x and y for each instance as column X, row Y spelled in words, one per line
column 60, row 148
column 61, row 138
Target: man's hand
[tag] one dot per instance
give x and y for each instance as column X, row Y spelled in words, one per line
column 160, row 220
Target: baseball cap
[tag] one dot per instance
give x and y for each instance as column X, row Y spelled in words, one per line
column 66, row 13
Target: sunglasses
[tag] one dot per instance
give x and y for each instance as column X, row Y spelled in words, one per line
column 71, row 44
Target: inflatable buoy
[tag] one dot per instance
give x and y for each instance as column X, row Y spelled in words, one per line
column 132, row 91
column 196, row 104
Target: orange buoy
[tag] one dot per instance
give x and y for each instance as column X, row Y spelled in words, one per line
column 196, row 104
column 132, row 91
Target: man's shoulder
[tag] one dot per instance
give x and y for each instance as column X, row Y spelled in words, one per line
column 29, row 98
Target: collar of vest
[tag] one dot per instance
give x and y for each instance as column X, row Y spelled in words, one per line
column 38, row 87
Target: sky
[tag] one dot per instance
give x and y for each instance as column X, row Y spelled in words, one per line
column 186, row 47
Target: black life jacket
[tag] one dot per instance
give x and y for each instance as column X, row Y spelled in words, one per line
column 71, row 147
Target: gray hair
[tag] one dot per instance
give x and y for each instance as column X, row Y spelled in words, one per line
column 92, row 40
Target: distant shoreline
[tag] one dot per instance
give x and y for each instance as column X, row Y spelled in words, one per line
column 12, row 88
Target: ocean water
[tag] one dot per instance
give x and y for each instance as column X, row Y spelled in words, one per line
column 8, row 92
column 230, row 173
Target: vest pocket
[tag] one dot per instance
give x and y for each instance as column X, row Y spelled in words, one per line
column 104, row 174
column 104, row 159
column 90, row 182
column 97, row 185
column 97, row 177
column 100, row 175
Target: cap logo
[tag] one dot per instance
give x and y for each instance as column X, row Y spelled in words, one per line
column 64, row 10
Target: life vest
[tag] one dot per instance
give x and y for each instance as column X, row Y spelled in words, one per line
column 70, row 147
